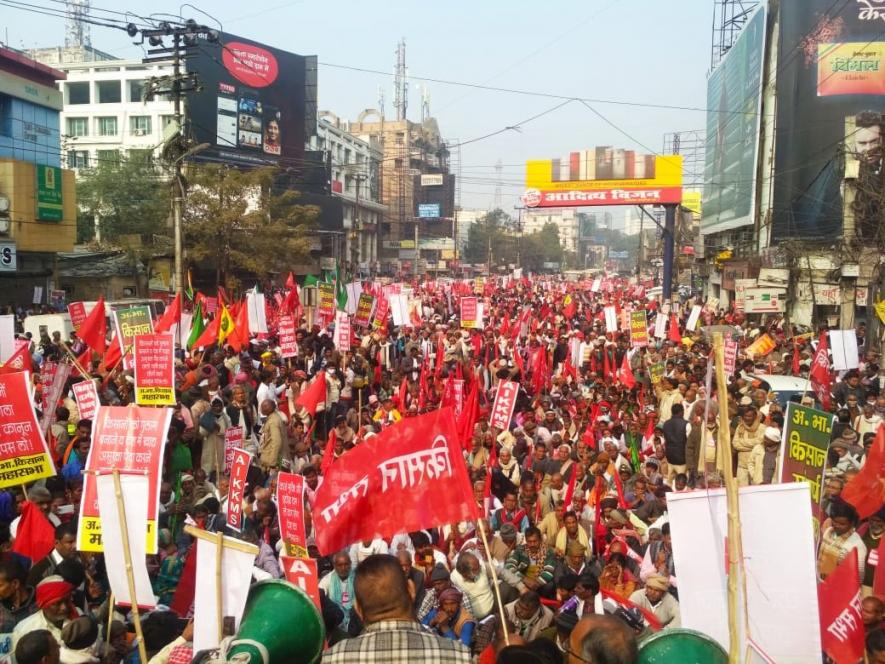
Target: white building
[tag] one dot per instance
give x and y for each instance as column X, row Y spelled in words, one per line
column 356, row 178
column 104, row 115
column 566, row 221
column 466, row 217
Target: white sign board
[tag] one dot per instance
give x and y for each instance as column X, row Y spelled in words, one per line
column 8, row 260
column 431, row 180
column 779, row 562
column 763, row 301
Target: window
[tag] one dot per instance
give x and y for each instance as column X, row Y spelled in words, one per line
column 140, row 125
column 136, row 90
column 78, row 127
column 108, row 92
column 166, row 120
column 106, row 126
column 5, row 115
column 78, row 93
column 140, row 156
column 107, row 157
column 78, row 158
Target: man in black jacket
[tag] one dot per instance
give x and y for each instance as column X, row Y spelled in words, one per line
column 675, row 436
column 65, row 548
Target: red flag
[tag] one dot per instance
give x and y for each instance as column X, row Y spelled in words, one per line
column 505, row 324
column 170, row 317
column 865, row 491
column 114, row 354
column 820, row 376
column 329, row 453
column 402, row 394
column 35, row 537
column 239, row 338
column 290, row 281
column 183, row 598
column 210, row 334
column 409, row 477
column 469, row 415
column 625, row 374
column 94, row 329
column 20, row 360
column 314, row 395
column 841, row 623
column 795, row 368
column 879, row 577
column 570, row 490
column 674, row 335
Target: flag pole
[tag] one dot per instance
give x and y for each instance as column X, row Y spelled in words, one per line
column 219, row 595
column 485, row 545
column 107, row 636
column 127, row 554
column 735, row 549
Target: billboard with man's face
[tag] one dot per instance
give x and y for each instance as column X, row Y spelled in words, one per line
column 830, row 105
column 257, row 104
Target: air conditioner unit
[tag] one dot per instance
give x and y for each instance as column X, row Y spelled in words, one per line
column 139, row 132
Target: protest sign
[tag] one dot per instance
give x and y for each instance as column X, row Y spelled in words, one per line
column 290, row 504
column 594, row 287
column 77, row 312
column 24, row 455
column 233, row 439
column 52, row 393
column 238, row 471
column 761, row 347
column 302, row 572
column 505, row 400
column 611, row 319
column 127, row 439
column 660, row 326
column 656, row 372
column 778, row 560
column 7, row 337
column 468, row 312
column 409, row 477
column 46, row 376
column 86, row 395
column 731, row 353
column 129, row 324
column 326, row 298
column 693, row 318
column 256, row 311
column 364, row 310
column 479, row 285
column 458, row 396
column 342, row 334
column 154, row 369
column 804, row 446
column 379, row 319
column 638, row 329
column 286, row 333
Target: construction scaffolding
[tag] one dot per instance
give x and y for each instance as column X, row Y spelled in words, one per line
column 729, row 18
column 691, row 145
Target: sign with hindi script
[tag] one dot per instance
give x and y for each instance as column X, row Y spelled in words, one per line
column 24, row 455
column 804, row 448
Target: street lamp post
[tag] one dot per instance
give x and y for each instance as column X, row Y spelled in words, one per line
column 178, row 212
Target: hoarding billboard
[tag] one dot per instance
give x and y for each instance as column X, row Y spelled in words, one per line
column 734, row 102
column 830, row 101
column 257, row 103
column 428, row 210
column 603, row 175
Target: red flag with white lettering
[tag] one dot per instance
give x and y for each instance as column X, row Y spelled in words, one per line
column 409, row 477
column 505, row 400
column 820, row 376
column 239, row 471
column 841, row 624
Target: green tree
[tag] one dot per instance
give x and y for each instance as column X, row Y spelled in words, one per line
column 488, row 233
column 239, row 222
column 541, row 247
column 125, row 196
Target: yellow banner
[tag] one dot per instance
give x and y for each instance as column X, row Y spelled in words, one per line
column 89, row 535
column 667, row 172
column 155, row 396
column 20, row 470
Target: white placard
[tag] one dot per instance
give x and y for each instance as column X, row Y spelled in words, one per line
column 257, row 312
column 134, row 489
column 843, row 346
column 693, row 318
column 594, row 287
column 354, row 289
column 38, row 294
column 660, row 326
column 611, row 319
column 7, row 337
column 779, row 559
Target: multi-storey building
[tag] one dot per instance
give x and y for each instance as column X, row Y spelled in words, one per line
column 38, row 208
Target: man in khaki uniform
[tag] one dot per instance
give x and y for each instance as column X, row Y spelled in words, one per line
column 273, row 437
column 748, row 434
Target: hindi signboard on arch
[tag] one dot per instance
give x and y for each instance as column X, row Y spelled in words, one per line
column 409, row 477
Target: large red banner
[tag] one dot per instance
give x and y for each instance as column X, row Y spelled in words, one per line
column 505, row 400
column 841, row 622
column 155, row 370
column 238, row 472
column 286, row 332
column 409, row 477
column 86, row 395
column 290, row 501
column 131, row 440
column 24, row 455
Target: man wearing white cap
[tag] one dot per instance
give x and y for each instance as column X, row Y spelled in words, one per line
column 762, row 465
column 656, row 598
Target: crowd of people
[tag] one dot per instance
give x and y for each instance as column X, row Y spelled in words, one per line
column 578, row 563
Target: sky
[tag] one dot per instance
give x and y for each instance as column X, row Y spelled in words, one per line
column 643, row 52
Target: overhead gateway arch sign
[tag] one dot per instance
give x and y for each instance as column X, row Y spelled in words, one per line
column 603, row 175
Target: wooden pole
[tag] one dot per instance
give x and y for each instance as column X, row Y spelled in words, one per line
column 219, row 593
column 485, row 543
column 75, row 361
column 735, row 550
column 127, row 554
column 107, row 636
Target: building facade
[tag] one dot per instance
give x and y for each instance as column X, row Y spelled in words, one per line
column 565, row 219
column 355, row 166
column 38, row 208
